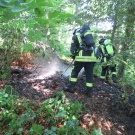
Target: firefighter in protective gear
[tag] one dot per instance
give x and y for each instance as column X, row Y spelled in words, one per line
column 82, row 50
column 106, row 55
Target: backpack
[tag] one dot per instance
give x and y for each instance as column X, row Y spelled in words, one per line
column 85, row 39
column 88, row 39
column 109, row 49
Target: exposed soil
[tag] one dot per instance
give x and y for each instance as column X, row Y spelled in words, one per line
column 105, row 109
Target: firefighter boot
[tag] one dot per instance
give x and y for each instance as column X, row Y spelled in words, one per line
column 107, row 79
column 89, row 91
column 114, row 79
column 70, row 87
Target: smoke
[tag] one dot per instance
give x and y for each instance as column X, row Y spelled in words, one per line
column 49, row 68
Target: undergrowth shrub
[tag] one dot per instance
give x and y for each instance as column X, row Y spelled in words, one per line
column 22, row 60
column 55, row 116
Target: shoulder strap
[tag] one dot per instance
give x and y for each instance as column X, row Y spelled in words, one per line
column 79, row 39
column 103, row 49
column 87, row 32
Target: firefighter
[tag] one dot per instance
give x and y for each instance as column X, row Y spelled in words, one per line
column 82, row 50
column 106, row 52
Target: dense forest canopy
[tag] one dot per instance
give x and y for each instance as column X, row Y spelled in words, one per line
column 23, row 23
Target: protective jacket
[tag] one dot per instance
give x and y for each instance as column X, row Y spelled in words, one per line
column 83, row 45
column 108, row 65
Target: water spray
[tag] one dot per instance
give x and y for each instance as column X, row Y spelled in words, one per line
column 67, row 67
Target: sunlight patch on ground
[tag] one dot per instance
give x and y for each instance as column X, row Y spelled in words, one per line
column 46, row 92
column 100, row 122
column 119, row 133
column 108, row 125
column 41, row 88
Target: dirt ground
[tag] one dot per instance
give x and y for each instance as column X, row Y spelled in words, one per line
column 106, row 109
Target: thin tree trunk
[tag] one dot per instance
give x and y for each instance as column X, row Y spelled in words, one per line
column 115, row 21
column 128, row 36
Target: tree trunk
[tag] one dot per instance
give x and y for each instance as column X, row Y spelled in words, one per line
column 128, row 36
column 115, row 21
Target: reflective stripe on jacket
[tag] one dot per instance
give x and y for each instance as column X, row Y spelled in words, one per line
column 81, row 58
column 85, row 56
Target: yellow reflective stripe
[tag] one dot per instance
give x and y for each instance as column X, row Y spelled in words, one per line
column 93, row 54
column 86, row 33
column 89, row 84
column 102, row 77
column 108, row 64
column 79, row 39
column 102, row 48
column 105, row 59
column 85, row 58
column 73, row 79
column 80, row 53
column 70, row 78
column 113, row 73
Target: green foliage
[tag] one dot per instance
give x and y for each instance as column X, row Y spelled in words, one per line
column 10, row 108
column 97, row 132
column 36, row 129
column 26, row 22
column 5, row 4
column 128, row 78
column 72, row 127
column 23, row 116
column 27, row 47
column 125, row 97
column 52, row 131
column 97, row 69
column 54, row 108
column 10, row 49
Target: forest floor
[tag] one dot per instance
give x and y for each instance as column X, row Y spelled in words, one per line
column 106, row 109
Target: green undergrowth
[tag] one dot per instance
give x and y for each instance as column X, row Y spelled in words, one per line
column 54, row 116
